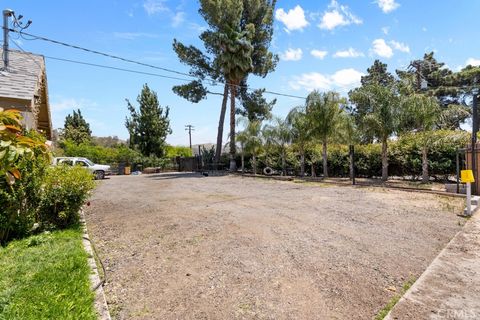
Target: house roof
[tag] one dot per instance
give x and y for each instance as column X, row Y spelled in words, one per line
column 24, row 72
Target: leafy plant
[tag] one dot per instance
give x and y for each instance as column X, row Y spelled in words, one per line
column 64, row 191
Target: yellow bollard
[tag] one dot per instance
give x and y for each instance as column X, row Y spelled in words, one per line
column 467, row 177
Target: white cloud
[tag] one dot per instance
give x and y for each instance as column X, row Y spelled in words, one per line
column 349, row 53
column 133, row 35
column 382, row 49
column 473, row 62
column 154, row 6
column 292, row 54
column 294, row 19
column 60, row 103
column 388, row 6
column 386, row 30
column 319, row 54
column 346, row 78
column 178, row 19
column 400, row 46
column 338, row 15
column 343, row 80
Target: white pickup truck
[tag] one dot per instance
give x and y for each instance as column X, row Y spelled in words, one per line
column 99, row 170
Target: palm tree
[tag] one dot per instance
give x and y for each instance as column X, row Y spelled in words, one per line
column 382, row 120
column 281, row 134
column 420, row 114
column 324, row 110
column 268, row 140
column 350, row 135
column 300, row 132
column 250, row 141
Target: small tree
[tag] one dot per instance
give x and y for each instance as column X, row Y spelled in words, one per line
column 149, row 126
column 281, row 134
column 76, row 128
column 382, row 120
column 251, row 141
column 300, row 132
column 325, row 112
column 420, row 114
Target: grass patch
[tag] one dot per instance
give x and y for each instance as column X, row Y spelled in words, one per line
column 385, row 310
column 46, row 276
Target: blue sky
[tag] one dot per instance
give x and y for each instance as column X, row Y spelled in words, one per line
column 325, row 45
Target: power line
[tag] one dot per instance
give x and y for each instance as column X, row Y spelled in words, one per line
column 214, row 82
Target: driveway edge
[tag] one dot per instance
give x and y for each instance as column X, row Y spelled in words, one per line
column 450, row 286
column 100, row 302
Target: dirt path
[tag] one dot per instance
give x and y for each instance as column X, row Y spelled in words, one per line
column 192, row 247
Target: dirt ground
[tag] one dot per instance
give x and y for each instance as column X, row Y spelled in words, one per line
column 184, row 246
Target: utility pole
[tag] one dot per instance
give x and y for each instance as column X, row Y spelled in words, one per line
column 7, row 13
column 474, row 133
column 190, row 128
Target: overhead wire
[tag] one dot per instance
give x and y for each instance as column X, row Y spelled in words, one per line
column 213, row 81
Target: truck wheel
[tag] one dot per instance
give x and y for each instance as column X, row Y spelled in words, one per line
column 99, row 175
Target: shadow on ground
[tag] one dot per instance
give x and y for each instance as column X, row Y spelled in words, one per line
column 174, row 175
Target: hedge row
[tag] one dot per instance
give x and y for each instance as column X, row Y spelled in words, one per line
column 120, row 154
column 404, row 155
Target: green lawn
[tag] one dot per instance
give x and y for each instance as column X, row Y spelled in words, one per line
column 46, row 277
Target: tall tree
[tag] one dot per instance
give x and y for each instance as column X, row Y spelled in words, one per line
column 431, row 77
column 223, row 18
column 76, row 128
column 382, row 120
column 377, row 74
column 325, row 110
column 240, row 34
column 149, row 126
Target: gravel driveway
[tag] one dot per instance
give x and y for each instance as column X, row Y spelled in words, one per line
column 184, row 246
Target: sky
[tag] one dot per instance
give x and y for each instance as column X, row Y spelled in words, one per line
column 322, row 44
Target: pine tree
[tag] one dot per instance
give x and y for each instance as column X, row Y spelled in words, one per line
column 236, row 43
column 149, row 126
column 76, row 128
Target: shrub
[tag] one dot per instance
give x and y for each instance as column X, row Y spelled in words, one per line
column 19, row 201
column 177, row 151
column 64, row 191
column 23, row 159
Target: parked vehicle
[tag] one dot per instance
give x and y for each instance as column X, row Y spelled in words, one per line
column 98, row 170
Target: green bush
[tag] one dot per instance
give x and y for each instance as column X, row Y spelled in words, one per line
column 25, row 156
column 178, row 151
column 64, row 191
column 19, row 201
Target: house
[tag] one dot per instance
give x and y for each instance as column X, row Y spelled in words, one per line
column 23, row 86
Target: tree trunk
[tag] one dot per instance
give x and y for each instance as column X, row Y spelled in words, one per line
column 425, row 175
column 313, row 170
column 284, row 166
column 254, row 158
column 302, row 162
column 325, row 162
column 351, row 162
column 384, row 160
column 243, row 161
column 221, row 121
column 233, row 164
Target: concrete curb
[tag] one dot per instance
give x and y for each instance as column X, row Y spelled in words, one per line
column 100, row 301
column 450, row 286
